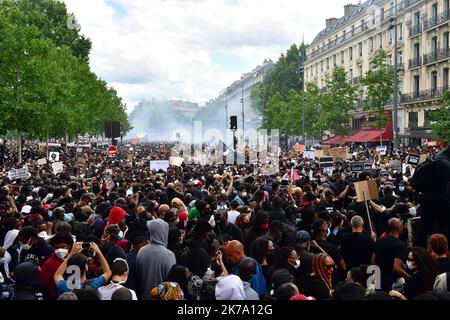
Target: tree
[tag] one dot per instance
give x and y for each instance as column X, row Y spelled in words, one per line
column 338, row 102
column 313, row 107
column 378, row 82
column 441, row 118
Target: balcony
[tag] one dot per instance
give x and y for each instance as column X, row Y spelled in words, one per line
column 436, row 21
column 415, row 63
column 435, row 56
column 430, row 94
column 415, row 30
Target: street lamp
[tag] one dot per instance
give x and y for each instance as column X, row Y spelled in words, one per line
column 302, row 72
column 394, row 25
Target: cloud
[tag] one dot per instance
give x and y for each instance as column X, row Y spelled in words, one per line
column 191, row 49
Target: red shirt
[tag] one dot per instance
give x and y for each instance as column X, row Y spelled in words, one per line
column 47, row 274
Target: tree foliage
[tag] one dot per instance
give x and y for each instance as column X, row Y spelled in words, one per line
column 441, row 125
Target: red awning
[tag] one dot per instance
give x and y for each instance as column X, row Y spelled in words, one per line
column 338, row 140
column 369, row 136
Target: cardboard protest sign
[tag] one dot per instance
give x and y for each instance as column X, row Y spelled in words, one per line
column 366, row 190
column 176, row 161
column 53, row 156
column 57, row 167
column 81, row 162
column 319, row 154
column 42, row 162
column 382, row 150
column 413, row 159
column 368, row 166
column 395, row 165
column 328, row 171
column 357, row 167
column 326, row 150
column 299, row 147
column 159, row 165
column 423, row 158
column 309, row 154
column 23, row 173
column 338, row 153
column 326, row 162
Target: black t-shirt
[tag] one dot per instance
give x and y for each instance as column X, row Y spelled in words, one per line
column 386, row 250
column 314, row 287
column 443, row 265
column 388, row 201
column 356, row 249
column 331, row 249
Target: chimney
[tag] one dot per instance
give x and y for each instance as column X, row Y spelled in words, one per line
column 349, row 9
column 331, row 22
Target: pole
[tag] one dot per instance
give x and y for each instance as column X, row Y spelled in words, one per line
column 367, row 208
column 243, row 113
column 395, row 79
column 226, row 111
column 303, row 93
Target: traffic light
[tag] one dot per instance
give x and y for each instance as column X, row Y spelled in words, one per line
column 233, row 123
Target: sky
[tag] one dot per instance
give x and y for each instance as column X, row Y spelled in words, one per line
column 191, row 49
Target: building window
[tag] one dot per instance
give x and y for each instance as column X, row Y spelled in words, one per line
column 360, row 72
column 370, row 44
column 417, row 20
column 445, row 39
column 328, row 63
column 360, row 49
column 417, row 51
column 350, row 53
column 434, row 81
column 321, row 66
column 434, row 12
column 380, row 40
column 413, row 119
column 353, row 31
column 350, row 75
column 399, row 32
column 342, row 57
column 334, row 60
column 416, row 86
column 445, row 78
column 390, row 32
column 434, row 45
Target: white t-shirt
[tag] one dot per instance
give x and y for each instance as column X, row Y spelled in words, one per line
column 107, row 291
column 232, row 215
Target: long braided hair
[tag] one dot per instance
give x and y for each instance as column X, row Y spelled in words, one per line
column 319, row 270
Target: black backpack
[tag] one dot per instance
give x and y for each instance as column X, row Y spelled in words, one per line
column 422, row 180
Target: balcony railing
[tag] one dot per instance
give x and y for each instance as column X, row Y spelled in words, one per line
column 430, row 94
column 437, row 55
column 415, row 30
column 415, row 63
column 435, row 21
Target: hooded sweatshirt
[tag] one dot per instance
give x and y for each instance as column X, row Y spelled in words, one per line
column 154, row 261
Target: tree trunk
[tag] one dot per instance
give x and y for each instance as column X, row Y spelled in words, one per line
column 19, row 147
column 381, row 137
column 65, row 143
column 46, row 145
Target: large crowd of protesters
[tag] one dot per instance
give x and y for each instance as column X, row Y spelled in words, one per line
column 113, row 229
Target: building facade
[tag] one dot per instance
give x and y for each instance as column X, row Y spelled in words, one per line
column 237, row 97
column 422, row 61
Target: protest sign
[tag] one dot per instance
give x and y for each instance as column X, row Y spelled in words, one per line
column 382, row 150
column 72, row 171
column 299, row 148
column 309, row 154
column 176, row 161
column 326, row 150
column 42, row 162
column 319, row 154
column 159, row 165
column 328, row 171
column 81, row 162
column 15, row 174
column 395, row 165
column 326, row 162
column 413, row 159
column 366, row 190
column 338, row 153
column 53, row 157
column 356, row 166
column 57, row 167
column 368, row 166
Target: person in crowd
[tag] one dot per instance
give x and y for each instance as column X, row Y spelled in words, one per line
column 195, row 257
column 27, row 285
column 319, row 285
column 78, row 263
column 259, row 228
column 286, row 291
column 234, row 255
column 230, row 288
column 302, row 246
column 181, row 275
column 62, row 244
column 233, row 213
column 261, row 249
column 438, row 247
column 390, row 254
column 247, row 270
column 357, row 247
column 132, row 281
column 119, row 276
column 154, row 260
column 33, row 247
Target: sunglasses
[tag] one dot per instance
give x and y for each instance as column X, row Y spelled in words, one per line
column 330, row 266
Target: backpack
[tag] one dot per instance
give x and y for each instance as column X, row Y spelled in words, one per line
column 183, row 256
column 422, row 180
column 202, row 290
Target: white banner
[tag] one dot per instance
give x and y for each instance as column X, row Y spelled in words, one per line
column 58, row 168
column 42, row 162
column 309, row 155
column 15, row 174
column 176, row 161
column 159, row 165
column 382, row 150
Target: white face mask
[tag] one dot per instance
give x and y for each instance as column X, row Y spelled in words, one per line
column 43, row 235
column 328, row 232
column 244, row 194
column 26, row 246
column 61, row 253
column 410, row 265
column 297, row 264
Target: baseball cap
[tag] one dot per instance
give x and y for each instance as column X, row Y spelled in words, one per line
column 302, row 236
column 302, row 297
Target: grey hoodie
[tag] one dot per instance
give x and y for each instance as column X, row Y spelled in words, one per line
column 154, row 261
column 249, row 292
